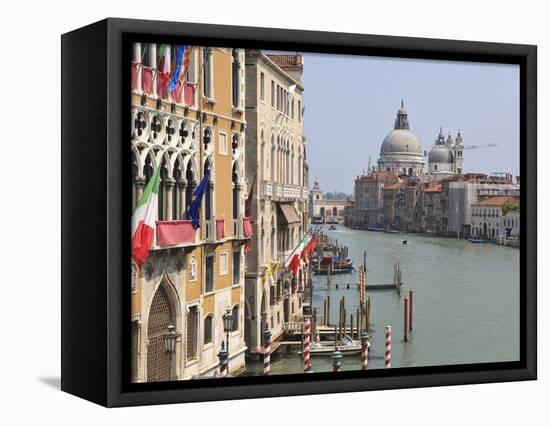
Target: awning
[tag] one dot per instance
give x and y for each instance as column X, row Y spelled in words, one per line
column 289, row 213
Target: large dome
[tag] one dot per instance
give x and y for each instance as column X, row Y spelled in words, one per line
column 401, row 141
column 440, row 154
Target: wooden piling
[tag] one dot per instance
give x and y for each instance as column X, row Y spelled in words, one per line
column 328, row 310
column 410, row 309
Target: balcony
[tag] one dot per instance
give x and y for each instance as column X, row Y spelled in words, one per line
column 283, row 191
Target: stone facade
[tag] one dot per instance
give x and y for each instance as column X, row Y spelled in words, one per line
column 276, row 157
column 190, row 285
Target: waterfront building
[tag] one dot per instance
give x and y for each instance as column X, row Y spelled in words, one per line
column 401, row 151
column 446, row 156
column 191, row 276
column 430, row 206
column 276, row 157
column 349, row 211
column 369, row 198
column 393, row 195
column 462, row 192
column 488, row 218
column 323, row 210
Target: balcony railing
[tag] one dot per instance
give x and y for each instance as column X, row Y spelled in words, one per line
column 283, row 190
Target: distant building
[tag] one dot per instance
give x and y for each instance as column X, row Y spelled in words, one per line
column 325, row 210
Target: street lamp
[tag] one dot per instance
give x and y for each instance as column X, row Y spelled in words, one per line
column 170, row 346
column 227, row 325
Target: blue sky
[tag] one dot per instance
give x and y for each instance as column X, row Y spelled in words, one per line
column 351, row 104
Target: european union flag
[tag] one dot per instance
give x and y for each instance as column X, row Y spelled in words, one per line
column 178, row 64
column 193, row 212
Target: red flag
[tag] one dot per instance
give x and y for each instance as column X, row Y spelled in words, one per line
column 295, row 263
column 147, row 80
column 162, row 84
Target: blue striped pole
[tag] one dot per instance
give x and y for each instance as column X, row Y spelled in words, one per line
column 336, row 361
column 223, row 357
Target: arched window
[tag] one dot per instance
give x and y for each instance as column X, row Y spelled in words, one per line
column 235, row 313
column 208, row 328
column 161, row 194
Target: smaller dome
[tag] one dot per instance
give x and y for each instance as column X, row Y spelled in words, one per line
column 440, row 154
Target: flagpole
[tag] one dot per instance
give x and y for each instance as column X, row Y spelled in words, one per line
column 295, row 248
column 265, row 269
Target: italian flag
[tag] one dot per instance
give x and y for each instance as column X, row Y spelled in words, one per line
column 143, row 220
column 293, row 262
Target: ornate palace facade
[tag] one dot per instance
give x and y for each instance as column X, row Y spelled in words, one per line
column 191, row 277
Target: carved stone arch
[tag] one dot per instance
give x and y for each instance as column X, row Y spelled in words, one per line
column 162, row 310
column 137, row 159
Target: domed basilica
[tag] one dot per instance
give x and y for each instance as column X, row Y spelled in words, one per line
column 402, row 153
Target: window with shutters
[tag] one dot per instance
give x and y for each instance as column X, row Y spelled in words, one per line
column 209, row 274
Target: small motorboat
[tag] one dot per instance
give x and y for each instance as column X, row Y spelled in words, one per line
column 332, row 228
column 346, row 345
column 477, row 240
column 404, row 242
column 392, row 231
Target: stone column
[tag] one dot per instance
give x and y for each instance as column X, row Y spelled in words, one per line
column 136, row 57
column 168, row 188
column 139, row 183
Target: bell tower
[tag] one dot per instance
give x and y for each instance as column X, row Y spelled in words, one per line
column 458, row 154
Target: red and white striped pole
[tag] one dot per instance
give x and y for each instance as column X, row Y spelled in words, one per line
column 364, row 350
column 307, row 345
column 267, row 351
column 387, row 353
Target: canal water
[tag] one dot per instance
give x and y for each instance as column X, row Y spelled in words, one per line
column 466, row 301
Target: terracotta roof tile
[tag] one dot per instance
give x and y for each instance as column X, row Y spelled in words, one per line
column 497, row 201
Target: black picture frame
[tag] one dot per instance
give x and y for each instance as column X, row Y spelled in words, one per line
column 96, row 212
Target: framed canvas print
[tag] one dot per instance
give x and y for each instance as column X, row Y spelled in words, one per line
column 253, row 212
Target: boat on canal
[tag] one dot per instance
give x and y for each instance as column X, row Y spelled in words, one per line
column 477, row 240
column 347, row 346
column 334, row 264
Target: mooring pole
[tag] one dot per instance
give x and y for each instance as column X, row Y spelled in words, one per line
column 364, row 350
column 410, row 309
column 267, row 351
column 222, row 355
column 387, row 352
column 328, row 311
